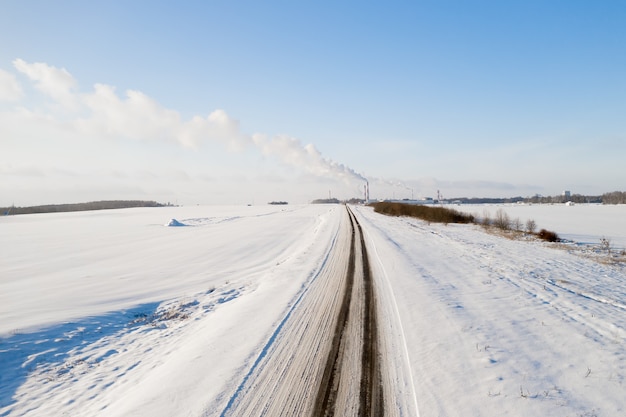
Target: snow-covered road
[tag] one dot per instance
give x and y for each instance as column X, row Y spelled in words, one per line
column 323, row 357
column 502, row 327
column 114, row 314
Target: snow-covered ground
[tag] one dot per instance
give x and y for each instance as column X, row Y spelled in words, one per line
column 582, row 223
column 496, row 327
column 125, row 312
column 114, row 313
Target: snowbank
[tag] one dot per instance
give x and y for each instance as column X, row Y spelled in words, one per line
column 175, row 223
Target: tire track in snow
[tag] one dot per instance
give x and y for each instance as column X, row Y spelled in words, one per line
column 323, row 359
column 358, row 316
column 372, row 398
column 328, row 388
column 236, row 400
column 400, row 385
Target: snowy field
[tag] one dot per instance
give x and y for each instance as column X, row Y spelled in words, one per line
column 582, row 223
column 122, row 313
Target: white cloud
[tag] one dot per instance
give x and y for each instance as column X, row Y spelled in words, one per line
column 10, row 89
column 137, row 116
column 217, row 126
column 103, row 112
column 56, row 83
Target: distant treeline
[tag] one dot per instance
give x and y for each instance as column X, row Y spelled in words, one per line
column 615, row 197
column 278, row 203
column 326, row 201
column 476, row 200
column 574, row 198
column 336, row 201
column 93, row 205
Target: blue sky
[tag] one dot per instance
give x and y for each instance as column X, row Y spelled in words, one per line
column 235, row 102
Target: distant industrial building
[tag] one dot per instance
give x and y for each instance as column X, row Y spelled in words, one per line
column 566, row 195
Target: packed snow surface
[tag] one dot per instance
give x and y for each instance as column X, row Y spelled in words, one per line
column 112, row 313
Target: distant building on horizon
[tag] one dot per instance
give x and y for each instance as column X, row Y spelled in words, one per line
column 567, row 195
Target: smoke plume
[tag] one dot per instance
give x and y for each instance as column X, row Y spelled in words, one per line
column 134, row 115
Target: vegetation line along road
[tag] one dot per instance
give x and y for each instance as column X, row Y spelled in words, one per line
column 364, row 322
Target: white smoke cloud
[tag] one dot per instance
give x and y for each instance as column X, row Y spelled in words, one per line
column 102, row 112
column 10, row 89
column 290, row 151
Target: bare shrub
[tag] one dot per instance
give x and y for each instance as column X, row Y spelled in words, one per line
column 531, row 226
column 605, row 245
column 486, row 220
column 548, row 235
column 502, row 220
column 517, row 224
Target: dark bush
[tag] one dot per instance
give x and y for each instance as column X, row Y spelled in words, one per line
column 548, row 235
column 445, row 215
column 429, row 214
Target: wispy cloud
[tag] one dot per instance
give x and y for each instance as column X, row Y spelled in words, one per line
column 10, row 89
column 21, row 171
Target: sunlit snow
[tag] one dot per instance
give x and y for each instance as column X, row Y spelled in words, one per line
column 114, row 313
